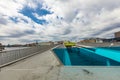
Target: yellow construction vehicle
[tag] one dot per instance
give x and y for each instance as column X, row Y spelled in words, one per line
column 69, row 44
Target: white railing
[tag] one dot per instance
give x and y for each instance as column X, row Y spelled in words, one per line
column 8, row 57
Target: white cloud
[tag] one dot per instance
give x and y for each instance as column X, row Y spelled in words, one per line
column 88, row 17
column 70, row 19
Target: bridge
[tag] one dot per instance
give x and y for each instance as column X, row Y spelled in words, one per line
column 40, row 63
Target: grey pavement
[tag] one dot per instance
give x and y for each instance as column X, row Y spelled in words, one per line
column 38, row 67
column 89, row 73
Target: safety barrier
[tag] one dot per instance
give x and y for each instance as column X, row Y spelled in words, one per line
column 7, row 57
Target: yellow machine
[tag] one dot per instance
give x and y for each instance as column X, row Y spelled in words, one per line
column 69, row 44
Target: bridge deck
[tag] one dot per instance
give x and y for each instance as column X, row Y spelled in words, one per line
column 45, row 66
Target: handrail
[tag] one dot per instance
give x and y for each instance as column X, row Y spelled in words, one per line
column 8, row 57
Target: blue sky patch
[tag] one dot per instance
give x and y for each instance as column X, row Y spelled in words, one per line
column 27, row 11
column 14, row 19
column 25, row 20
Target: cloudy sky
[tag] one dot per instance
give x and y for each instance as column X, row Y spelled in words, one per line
column 25, row 21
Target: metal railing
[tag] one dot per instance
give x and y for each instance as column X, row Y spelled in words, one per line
column 7, row 57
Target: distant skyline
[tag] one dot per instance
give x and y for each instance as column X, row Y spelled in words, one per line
column 25, row 21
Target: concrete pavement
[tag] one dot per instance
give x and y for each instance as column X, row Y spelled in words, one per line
column 38, row 67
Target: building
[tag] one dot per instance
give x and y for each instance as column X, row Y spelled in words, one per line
column 60, row 42
column 1, row 47
column 31, row 45
column 92, row 40
column 46, row 43
column 117, row 34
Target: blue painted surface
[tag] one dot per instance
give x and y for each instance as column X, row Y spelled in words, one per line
column 112, row 54
column 63, row 56
column 85, row 57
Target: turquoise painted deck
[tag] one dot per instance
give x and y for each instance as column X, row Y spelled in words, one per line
column 89, row 56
